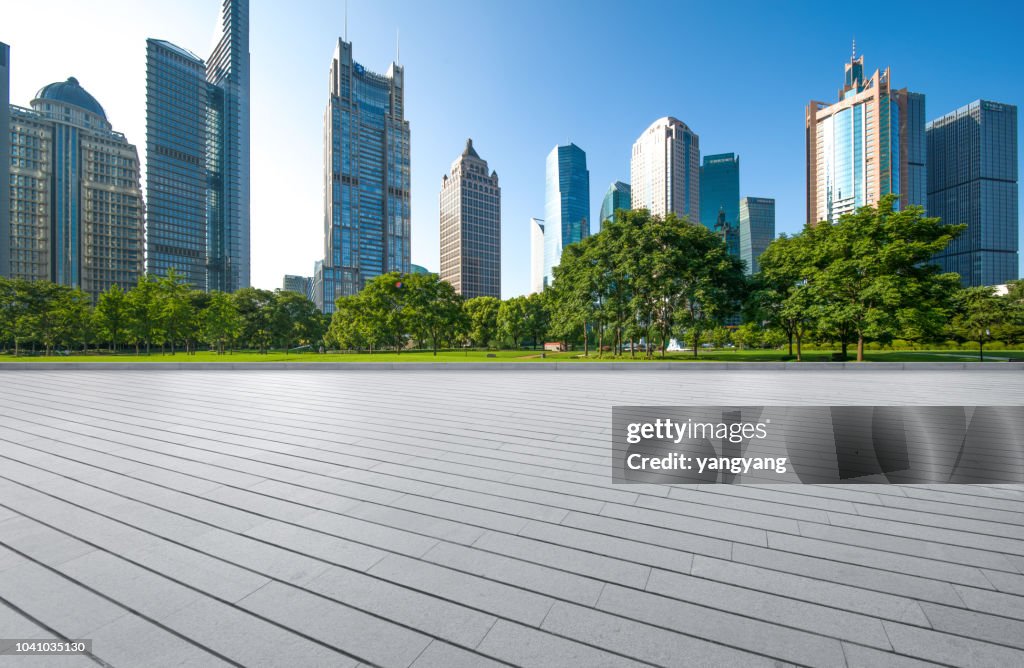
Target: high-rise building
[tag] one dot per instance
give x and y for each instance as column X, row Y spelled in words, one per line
column 299, row 284
column 869, row 144
column 417, row 269
column 617, row 197
column 471, row 226
column 536, row 255
column 566, row 204
column 366, row 177
column 197, row 157
column 757, row 229
column 664, row 171
column 5, row 159
column 972, row 179
column 720, row 189
column 76, row 211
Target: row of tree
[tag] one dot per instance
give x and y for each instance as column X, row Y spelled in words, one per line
column 162, row 312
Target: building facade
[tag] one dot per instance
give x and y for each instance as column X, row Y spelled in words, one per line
column 536, row 255
column 366, row 178
column 5, row 160
column 417, row 269
column 76, row 212
column 869, row 144
column 566, row 204
column 299, row 284
column 756, row 230
column 664, row 170
column 617, row 197
column 470, row 203
column 720, row 190
column 197, row 157
column 972, row 180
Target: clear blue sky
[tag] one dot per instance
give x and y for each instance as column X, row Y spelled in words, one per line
column 521, row 77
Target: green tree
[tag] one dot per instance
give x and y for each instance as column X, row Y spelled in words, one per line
column 872, row 273
column 220, row 321
column 112, row 317
column 537, row 317
column 512, row 319
column 382, row 309
column 145, row 309
column 483, row 319
column 978, row 312
column 256, row 307
column 782, row 295
column 434, row 309
column 296, row 320
column 176, row 308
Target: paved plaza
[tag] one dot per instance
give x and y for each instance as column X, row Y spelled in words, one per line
column 455, row 518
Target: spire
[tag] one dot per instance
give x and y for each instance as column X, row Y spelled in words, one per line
column 346, row 20
column 469, row 151
column 853, row 56
column 398, row 47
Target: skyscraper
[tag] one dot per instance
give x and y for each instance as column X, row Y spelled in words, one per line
column 366, row 178
column 566, row 204
column 664, row 171
column 720, row 189
column 972, row 179
column 76, row 211
column 757, row 229
column 299, row 284
column 197, row 157
column 869, row 144
column 471, row 227
column 617, row 197
column 5, row 159
column 536, row 255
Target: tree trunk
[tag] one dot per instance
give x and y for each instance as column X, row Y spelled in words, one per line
column 789, row 333
column 600, row 340
column 799, row 340
column 860, row 348
column 586, row 341
column 842, row 342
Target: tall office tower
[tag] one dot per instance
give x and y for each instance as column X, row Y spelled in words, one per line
column 566, row 204
column 869, row 144
column 293, row 283
column 366, row 178
column 197, row 157
column 471, row 227
column 664, row 171
column 76, row 211
column 720, row 189
column 616, row 198
column 536, row 255
column 417, row 269
column 176, row 162
column 5, row 159
column 757, row 229
column 972, row 179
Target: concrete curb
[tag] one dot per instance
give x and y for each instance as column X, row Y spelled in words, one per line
column 512, row 366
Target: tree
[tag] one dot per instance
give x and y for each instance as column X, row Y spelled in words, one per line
column 537, row 317
column 512, row 319
column 295, row 319
column 872, row 273
column 781, row 295
column 220, row 321
column 176, row 308
column 978, row 312
column 434, row 309
column 483, row 319
column 144, row 305
column 112, row 318
column 256, row 307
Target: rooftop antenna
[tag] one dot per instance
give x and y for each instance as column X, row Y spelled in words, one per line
column 346, row 20
column 854, row 56
column 398, row 48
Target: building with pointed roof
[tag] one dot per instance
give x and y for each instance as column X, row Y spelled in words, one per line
column 470, row 205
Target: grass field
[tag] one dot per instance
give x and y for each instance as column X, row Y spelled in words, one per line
column 521, row 356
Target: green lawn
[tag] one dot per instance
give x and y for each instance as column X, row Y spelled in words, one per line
column 520, row 356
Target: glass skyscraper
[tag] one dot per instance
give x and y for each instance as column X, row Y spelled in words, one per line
column 76, row 211
column 5, row 159
column 470, row 202
column 972, row 179
column 664, row 170
column 536, row 255
column 867, row 145
column 617, row 197
column 566, row 204
column 720, row 189
column 366, row 178
column 197, row 157
column 756, row 230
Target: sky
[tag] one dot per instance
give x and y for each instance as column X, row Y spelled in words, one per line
column 520, row 78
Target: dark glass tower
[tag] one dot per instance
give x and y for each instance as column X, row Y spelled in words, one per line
column 972, row 179
column 366, row 178
column 197, row 152
column 566, row 204
column 617, row 197
column 720, row 190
